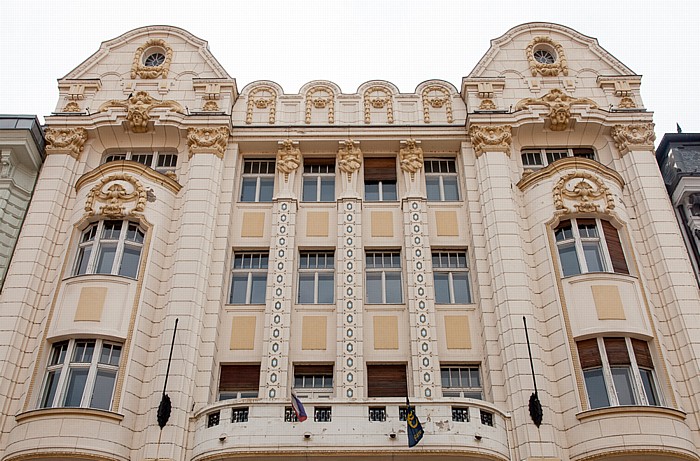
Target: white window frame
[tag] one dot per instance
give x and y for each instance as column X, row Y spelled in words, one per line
column 381, row 255
column 307, row 389
column 440, row 168
column 380, row 186
column 316, row 269
column 561, row 152
column 461, row 391
column 260, row 169
column 65, row 367
column 578, row 242
column 93, row 238
column 251, row 256
column 320, row 173
column 166, row 156
column 450, row 269
column 637, row 385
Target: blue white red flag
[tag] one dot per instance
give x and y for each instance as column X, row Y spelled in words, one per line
column 298, row 409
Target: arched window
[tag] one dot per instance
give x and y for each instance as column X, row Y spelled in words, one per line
column 110, row 247
column 589, row 245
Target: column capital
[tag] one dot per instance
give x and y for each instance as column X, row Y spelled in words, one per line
column 65, row 141
column 634, row 136
column 208, row 140
column 490, row 138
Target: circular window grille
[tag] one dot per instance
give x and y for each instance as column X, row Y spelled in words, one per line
column 544, row 57
column 154, row 60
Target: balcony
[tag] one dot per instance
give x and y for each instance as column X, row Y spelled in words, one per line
column 372, row 428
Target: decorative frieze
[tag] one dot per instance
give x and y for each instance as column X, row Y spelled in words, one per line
column 138, row 108
column 636, row 135
column 116, row 192
column 584, row 189
column 490, row 138
column 262, row 97
column 138, row 67
column 65, row 141
column 436, row 97
column 208, row 140
column 559, row 105
column 378, row 97
column 320, row 97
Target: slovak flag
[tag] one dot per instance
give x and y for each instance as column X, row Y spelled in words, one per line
column 298, row 408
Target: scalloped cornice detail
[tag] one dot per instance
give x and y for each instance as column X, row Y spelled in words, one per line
column 490, row 138
column 569, row 163
column 436, row 101
column 371, row 99
column 65, row 141
column 208, row 140
column 261, row 97
column 138, row 108
column 639, row 135
column 319, row 97
column 127, row 166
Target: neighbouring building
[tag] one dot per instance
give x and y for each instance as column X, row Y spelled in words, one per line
column 355, row 249
column 21, row 155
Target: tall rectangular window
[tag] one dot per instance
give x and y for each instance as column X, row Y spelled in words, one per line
column 461, row 381
column 589, row 245
column 316, row 275
column 249, row 278
column 383, row 277
column 441, row 180
column 110, row 247
column 386, row 380
column 319, row 180
column 380, row 179
column 239, row 381
column 258, row 181
column 451, row 277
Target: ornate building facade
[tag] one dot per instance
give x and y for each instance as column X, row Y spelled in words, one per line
column 354, row 249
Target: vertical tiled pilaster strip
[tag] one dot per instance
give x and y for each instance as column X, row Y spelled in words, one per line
column 421, row 312
column 350, row 283
column 278, row 310
column 512, row 298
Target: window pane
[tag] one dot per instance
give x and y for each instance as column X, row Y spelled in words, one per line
column 266, row 188
column 306, row 288
column 102, row 392
column 130, row 261
column 449, row 184
column 389, row 191
column 325, row 288
column 258, row 289
column 442, row 288
column 309, row 192
column 83, row 258
column 474, row 375
column 374, row 288
column 649, row 386
column 593, row 258
column 432, row 186
column 248, row 189
column 238, row 288
column 445, row 377
column 327, row 189
column 460, row 286
column 75, row 388
column 623, row 385
column 372, row 191
column 105, row 258
column 569, row 260
column 52, row 378
column 595, row 387
column 83, row 352
column 393, row 288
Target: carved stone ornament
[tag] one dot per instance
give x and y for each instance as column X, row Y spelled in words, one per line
column 411, row 157
column 208, row 140
column 319, row 97
column 559, row 66
column 627, row 103
column 6, row 164
column 262, row 97
column 138, row 108
column 121, row 195
column 436, row 97
column 378, row 97
column 72, row 106
column 349, row 157
column 288, row 157
column 559, row 104
column 65, row 141
column 210, row 106
column 141, row 71
column 487, row 104
column 584, row 189
column 490, row 138
column 640, row 135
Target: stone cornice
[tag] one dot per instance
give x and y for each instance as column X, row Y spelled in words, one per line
column 127, row 166
column 66, row 412
column 569, row 163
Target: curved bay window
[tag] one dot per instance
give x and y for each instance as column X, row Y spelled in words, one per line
column 110, row 247
column 589, row 245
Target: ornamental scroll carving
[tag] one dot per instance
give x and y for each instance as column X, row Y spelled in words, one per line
column 559, row 66
column 208, row 140
column 141, row 71
column 262, row 97
column 378, row 97
column 210, row 106
column 319, row 97
column 436, row 97
column 490, row 138
column 288, row 157
column 120, row 194
column 72, row 106
column 487, row 104
column 637, row 134
column 627, row 103
column 559, row 105
column 65, row 141
column 411, row 157
column 584, row 189
column 349, row 157
column 138, row 109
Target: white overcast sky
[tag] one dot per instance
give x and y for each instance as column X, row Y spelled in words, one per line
column 349, row 42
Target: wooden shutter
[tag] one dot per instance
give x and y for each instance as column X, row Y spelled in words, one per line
column 616, row 349
column 313, row 369
column 589, row 354
column 386, row 381
column 380, row 169
column 319, row 161
column 240, row 377
column 642, row 354
column 612, row 238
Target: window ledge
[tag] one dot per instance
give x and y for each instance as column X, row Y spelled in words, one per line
column 62, row 412
column 631, row 410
